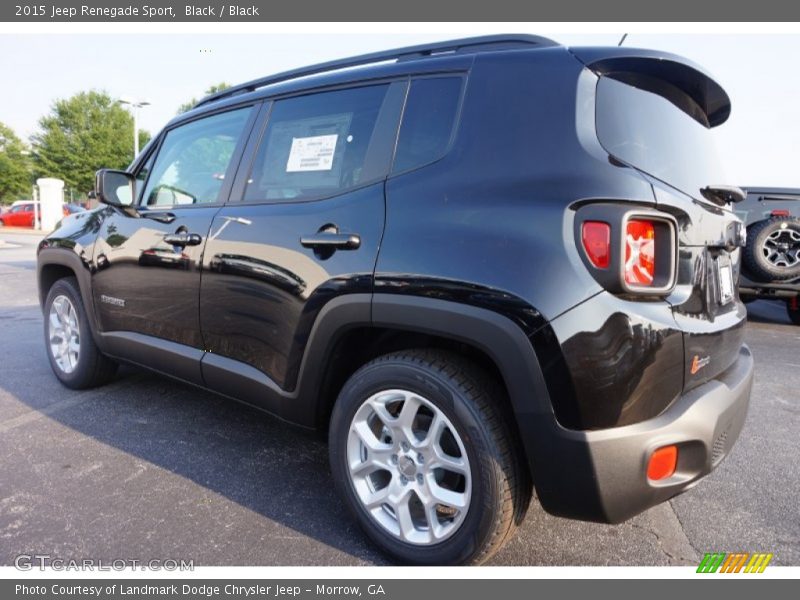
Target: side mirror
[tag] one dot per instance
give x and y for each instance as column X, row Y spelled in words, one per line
column 115, row 188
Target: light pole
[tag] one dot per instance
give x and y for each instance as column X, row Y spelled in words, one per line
column 136, row 105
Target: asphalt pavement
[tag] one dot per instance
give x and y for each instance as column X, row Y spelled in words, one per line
column 147, row 468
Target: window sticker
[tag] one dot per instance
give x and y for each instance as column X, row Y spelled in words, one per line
column 312, row 153
column 279, row 162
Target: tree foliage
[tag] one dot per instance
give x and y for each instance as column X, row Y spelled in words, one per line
column 187, row 106
column 15, row 167
column 82, row 134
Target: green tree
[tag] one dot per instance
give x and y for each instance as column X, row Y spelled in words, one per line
column 15, row 167
column 86, row 132
column 187, row 106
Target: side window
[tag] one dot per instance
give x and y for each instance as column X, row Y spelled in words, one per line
column 193, row 160
column 428, row 121
column 141, row 176
column 322, row 144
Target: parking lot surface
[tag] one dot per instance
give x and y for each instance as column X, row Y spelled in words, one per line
column 147, row 468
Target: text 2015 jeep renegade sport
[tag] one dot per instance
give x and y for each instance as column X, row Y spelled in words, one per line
column 481, row 265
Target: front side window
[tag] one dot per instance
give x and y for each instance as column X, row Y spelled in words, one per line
column 319, row 145
column 141, row 176
column 193, row 161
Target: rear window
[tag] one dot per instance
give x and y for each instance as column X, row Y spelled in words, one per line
column 653, row 126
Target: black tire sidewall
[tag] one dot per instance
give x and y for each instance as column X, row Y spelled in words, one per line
column 77, row 378
column 484, row 503
column 755, row 262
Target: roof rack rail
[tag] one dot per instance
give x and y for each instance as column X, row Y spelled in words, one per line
column 485, row 43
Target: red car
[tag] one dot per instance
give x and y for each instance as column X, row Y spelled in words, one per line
column 21, row 215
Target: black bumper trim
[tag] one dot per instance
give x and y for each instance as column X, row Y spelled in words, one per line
column 601, row 475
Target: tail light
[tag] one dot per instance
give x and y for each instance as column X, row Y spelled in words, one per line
column 640, row 252
column 780, row 212
column 628, row 251
column 596, row 238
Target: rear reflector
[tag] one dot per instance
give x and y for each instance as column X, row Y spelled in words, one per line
column 780, row 212
column 662, row 463
column 640, row 252
column 596, row 237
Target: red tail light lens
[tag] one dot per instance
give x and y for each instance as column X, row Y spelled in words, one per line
column 596, row 238
column 780, row 212
column 640, row 252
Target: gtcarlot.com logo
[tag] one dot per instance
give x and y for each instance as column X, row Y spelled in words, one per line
column 737, row 562
column 27, row 562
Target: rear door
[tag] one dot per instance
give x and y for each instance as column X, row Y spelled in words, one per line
column 147, row 276
column 303, row 226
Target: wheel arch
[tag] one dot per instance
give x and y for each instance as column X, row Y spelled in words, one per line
column 339, row 344
column 57, row 263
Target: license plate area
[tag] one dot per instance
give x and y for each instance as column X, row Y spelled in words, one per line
column 724, row 280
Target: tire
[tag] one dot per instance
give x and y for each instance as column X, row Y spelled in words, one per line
column 793, row 310
column 489, row 488
column 773, row 249
column 74, row 357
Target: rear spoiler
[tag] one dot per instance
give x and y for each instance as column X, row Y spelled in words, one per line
column 676, row 70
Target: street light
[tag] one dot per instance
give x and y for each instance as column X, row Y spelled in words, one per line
column 136, row 105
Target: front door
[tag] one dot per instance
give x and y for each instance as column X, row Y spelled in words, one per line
column 305, row 228
column 147, row 261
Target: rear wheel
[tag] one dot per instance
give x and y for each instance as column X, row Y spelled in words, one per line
column 75, row 359
column 422, row 451
column 773, row 249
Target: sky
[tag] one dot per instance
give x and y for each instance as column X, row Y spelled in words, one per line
column 759, row 144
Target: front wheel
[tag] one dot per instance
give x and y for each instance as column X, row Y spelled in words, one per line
column 74, row 357
column 422, row 451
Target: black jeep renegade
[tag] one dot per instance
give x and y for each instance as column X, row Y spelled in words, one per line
column 482, row 266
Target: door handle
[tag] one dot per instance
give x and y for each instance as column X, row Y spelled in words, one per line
column 183, row 238
column 331, row 241
column 157, row 215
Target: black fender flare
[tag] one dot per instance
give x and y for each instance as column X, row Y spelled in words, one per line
column 64, row 257
column 500, row 338
column 506, row 343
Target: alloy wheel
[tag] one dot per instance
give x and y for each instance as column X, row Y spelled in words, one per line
column 782, row 247
column 409, row 467
column 64, row 334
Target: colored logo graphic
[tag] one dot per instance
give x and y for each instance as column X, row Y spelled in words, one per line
column 698, row 363
column 736, row 562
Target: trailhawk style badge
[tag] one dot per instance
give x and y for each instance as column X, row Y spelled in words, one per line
column 698, row 363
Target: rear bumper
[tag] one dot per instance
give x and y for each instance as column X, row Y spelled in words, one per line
column 601, row 475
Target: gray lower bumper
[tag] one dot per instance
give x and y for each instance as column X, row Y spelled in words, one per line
column 601, row 475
